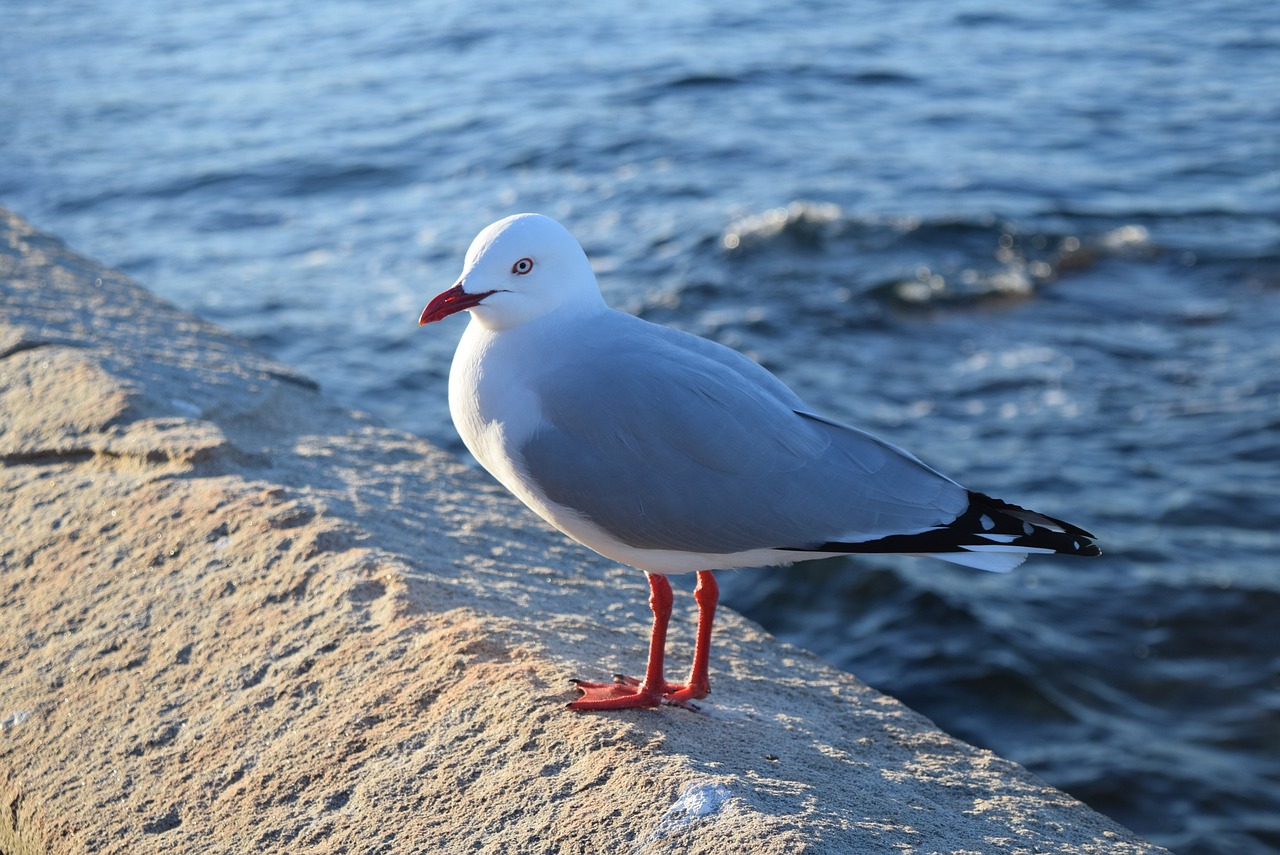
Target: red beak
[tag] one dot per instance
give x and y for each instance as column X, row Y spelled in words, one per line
column 450, row 302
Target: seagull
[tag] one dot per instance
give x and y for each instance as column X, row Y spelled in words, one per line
column 674, row 454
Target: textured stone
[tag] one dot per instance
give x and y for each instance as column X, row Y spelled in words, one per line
column 239, row 619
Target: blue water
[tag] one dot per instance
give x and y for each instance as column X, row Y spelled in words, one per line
column 1039, row 245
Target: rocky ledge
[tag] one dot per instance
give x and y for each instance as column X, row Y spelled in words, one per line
column 238, row 618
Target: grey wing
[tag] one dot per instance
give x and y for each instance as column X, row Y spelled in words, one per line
column 665, row 447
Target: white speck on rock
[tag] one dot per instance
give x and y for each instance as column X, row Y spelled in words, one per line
column 698, row 800
column 186, row 407
column 15, row 718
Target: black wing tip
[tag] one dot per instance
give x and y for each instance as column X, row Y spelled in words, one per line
column 1069, row 539
column 986, row 522
column 994, row 504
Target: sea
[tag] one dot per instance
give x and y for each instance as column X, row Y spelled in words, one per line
column 1037, row 244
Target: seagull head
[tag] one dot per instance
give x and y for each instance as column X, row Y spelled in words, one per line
column 516, row 270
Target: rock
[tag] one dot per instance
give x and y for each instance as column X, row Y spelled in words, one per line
column 240, row 619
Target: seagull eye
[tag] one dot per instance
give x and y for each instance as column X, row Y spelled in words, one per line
column 522, row 266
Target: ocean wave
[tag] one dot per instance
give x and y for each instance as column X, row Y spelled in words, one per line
column 910, row 262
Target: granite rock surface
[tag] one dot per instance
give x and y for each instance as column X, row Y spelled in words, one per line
column 237, row 618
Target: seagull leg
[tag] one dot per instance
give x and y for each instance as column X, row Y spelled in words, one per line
column 706, row 594
column 629, row 693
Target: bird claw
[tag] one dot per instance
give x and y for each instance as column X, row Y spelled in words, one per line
column 630, row 693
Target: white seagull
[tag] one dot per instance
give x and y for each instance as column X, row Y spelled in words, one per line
column 673, row 454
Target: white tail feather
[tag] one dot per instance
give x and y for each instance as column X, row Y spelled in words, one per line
column 995, row 559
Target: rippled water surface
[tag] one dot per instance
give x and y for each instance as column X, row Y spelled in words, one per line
column 1038, row 245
